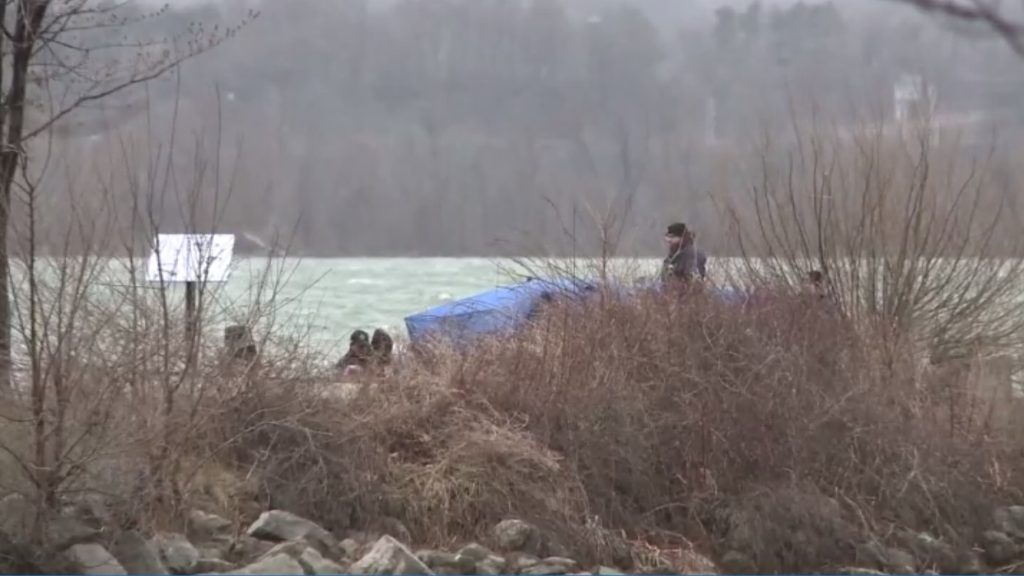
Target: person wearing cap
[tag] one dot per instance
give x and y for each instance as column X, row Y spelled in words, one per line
column 358, row 355
column 684, row 262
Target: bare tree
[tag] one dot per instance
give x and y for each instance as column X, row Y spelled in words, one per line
column 914, row 242
column 994, row 14
column 61, row 58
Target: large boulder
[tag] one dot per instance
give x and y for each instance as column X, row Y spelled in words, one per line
column 136, row 555
column 92, row 559
column 17, row 517
column 16, row 558
column 306, row 555
column 1010, row 520
column 65, row 531
column 517, row 536
column 551, row 566
column 278, row 564
column 389, row 556
column 92, row 509
column 899, row 561
column 447, row 563
column 474, row 552
column 176, row 553
column 213, row 566
column 278, row 526
column 491, row 566
column 999, row 548
column 204, row 527
column 313, row 563
column 245, row 549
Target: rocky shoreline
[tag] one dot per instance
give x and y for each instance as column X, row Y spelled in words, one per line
column 279, row 542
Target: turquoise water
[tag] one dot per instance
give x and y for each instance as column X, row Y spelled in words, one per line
column 320, row 301
column 329, row 298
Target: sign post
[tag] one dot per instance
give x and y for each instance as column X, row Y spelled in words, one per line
column 191, row 259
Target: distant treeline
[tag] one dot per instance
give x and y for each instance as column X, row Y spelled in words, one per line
column 456, row 127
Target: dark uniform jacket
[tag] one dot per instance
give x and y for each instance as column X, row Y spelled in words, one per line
column 684, row 264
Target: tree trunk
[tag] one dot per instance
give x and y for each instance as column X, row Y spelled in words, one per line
column 29, row 18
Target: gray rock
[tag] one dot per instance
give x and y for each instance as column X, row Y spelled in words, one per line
column 860, row 571
column 313, row 563
column 213, row 552
column 389, row 556
column 899, row 561
column 474, row 552
column 92, row 559
column 871, row 554
column 213, row 565
column 552, row 565
column 293, row 548
column 65, row 531
column 136, row 555
column 93, row 510
column 606, row 571
column 204, row 527
column 349, row 547
column 970, row 563
column 999, row 548
column 1010, row 520
column 446, row 563
column 734, row 562
column 434, row 558
column 17, row 516
column 279, row 564
column 517, row 536
column 20, row 559
column 246, row 549
column 176, row 553
column 521, row 562
column 492, row 565
column 278, row 525
column 543, row 569
column 931, row 551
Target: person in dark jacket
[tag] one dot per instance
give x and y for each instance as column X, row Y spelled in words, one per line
column 382, row 345
column 684, row 262
column 359, row 352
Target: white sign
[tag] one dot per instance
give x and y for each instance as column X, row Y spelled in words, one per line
column 191, row 258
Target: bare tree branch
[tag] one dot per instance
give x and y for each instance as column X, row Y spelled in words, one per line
column 988, row 12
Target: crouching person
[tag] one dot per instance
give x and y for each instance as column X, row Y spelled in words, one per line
column 381, row 348
column 358, row 356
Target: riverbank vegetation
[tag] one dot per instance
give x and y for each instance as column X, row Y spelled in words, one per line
column 787, row 433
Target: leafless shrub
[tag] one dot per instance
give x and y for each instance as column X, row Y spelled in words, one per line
column 912, row 239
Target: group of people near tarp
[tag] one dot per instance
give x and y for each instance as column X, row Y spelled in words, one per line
column 366, row 352
column 684, row 264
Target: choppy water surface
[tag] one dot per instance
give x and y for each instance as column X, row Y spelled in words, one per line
column 332, row 297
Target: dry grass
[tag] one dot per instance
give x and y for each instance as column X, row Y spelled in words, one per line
column 777, row 431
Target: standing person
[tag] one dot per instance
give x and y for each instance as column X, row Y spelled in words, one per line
column 816, row 284
column 684, row 262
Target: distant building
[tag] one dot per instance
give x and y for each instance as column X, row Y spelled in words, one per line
column 914, row 100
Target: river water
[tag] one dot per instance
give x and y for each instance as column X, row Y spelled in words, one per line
column 328, row 298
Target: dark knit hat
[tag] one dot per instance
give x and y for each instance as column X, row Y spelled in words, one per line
column 677, row 229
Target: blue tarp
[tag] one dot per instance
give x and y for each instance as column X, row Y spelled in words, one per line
column 498, row 310
column 505, row 308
